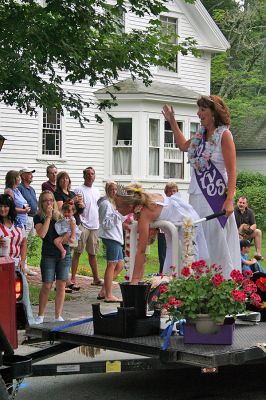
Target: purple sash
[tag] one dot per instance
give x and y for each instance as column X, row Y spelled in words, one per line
column 212, row 184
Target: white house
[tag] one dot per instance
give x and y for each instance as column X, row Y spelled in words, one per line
column 137, row 144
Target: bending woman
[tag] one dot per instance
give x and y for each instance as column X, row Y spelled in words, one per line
column 52, row 266
column 151, row 207
column 211, row 153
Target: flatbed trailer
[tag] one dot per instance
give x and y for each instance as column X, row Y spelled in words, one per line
column 249, row 346
column 142, row 353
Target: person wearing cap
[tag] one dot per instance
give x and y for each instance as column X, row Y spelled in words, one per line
column 51, row 173
column 246, row 224
column 249, row 264
column 29, row 194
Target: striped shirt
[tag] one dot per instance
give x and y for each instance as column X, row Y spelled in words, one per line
column 16, row 235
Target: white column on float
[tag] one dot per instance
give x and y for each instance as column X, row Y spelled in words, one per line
column 173, row 246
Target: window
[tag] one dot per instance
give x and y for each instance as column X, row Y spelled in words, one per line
column 154, row 146
column 173, row 157
column 52, row 133
column 169, row 26
column 194, row 127
column 122, row 146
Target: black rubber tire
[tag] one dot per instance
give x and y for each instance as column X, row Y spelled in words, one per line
column 3, row 390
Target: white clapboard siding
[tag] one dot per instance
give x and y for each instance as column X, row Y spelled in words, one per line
column 251, row 161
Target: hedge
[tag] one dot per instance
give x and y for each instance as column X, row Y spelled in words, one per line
column 253, row 186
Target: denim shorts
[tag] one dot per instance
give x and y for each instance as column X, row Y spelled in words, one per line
column 53, row 268
column 113, row 250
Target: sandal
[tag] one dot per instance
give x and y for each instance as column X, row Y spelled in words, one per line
column 73, row 286
column 67, row 290
column 97, row 283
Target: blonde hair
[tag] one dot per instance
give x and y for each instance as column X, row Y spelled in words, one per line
column 170, row 185
column 137, row 196
column 56, row 214
column 107, row 188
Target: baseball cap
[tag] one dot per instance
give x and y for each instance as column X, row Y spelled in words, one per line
column 26, row 169
column 245, row 243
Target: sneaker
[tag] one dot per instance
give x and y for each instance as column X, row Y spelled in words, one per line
column 30, row 272
column 59, row 319
column 39, row 320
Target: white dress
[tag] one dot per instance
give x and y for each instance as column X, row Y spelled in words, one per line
column 223, row 243
column 175, row 210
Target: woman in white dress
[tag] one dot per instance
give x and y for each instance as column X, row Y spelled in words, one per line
column 211, row 153
column 151, row 207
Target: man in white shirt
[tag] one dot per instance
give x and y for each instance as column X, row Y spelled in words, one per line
column 89, row 240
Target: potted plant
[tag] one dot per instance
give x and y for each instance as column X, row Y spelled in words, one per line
column 203, row 291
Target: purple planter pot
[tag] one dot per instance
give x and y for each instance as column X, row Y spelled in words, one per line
column 223, row 336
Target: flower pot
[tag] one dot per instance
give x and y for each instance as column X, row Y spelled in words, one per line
column 205, row 325
column 136, row 296
column 224, row 335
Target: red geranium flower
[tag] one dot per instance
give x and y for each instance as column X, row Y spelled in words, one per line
column 236, row 275
column 247, row 273
column 217, row 279
column 255, row 300
column 186, row 272
column 239, row 296
column 261, row 283
column 163, row 288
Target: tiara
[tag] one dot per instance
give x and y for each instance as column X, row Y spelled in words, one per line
column 214, row 102
column 122, row 191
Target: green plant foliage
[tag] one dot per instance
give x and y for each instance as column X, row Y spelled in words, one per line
column 239, row 74
column 253, row 186
column 257, row 202
column 246, row 178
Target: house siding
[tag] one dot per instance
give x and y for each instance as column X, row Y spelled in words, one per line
column 251, row 161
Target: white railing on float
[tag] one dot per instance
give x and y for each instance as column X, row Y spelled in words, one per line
column 170, row 230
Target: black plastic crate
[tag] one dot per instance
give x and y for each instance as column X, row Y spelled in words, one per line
column 124, row 323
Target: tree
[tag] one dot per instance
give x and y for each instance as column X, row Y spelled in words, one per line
column 239, row 74
column 42, row 47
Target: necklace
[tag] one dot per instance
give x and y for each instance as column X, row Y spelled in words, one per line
column 201, row 162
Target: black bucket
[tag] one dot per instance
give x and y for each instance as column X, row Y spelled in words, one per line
column 136, row 296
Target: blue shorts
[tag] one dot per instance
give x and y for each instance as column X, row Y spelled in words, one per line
column 53, row 268
column 113, row 250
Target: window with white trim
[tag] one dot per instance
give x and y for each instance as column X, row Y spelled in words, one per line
column 154, row 147
column 122, row 146
column 173, row 157
column 52, row 133
column 170, row 26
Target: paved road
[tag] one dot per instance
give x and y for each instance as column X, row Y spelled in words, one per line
column 236, row 384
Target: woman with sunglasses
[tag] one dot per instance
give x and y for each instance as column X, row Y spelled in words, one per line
column 53, row 267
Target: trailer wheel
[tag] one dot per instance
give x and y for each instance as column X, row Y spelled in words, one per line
column 3, row 390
